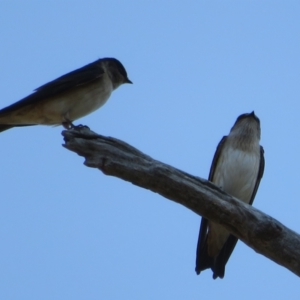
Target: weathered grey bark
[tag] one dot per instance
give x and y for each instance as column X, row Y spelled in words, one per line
column 258, row 230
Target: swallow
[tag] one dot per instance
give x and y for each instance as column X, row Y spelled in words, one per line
column 67, row 98
column 237, row 168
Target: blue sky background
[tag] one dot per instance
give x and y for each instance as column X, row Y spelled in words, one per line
column 70, row 232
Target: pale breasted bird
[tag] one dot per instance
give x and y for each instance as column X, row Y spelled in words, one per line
column 67, row 98
column 237, row 168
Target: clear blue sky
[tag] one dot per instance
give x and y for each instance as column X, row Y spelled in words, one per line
column 70, row 232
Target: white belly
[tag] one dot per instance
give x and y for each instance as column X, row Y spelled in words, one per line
column 236, row 173
column 82, row 103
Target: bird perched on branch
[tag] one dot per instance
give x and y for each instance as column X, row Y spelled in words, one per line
column 237, row 168
column 67, row 98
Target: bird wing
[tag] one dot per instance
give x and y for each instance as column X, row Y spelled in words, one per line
column 260, row 174
column 62, row 84
column 203, row 260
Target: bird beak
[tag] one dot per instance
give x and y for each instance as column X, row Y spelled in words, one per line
column 128, row 81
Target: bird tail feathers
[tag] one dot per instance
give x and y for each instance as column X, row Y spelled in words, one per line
column 4, row 127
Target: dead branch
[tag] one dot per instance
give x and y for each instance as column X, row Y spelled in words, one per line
column 259, row 231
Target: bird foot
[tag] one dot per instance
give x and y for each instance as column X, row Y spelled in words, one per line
column 68, row 125
column 80, row 126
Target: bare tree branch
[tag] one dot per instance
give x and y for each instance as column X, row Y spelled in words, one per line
column 259, row 231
